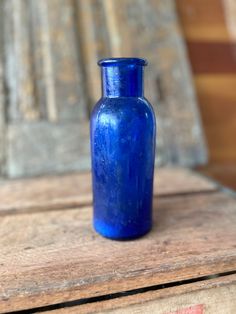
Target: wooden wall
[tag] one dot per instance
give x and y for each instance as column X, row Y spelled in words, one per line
column 210, row 31
column 49, row 79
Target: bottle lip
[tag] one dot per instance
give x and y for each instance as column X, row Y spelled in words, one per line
column 122, row 61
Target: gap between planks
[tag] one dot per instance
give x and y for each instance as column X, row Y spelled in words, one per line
column 137, row 296
column 55, row 258
column 148, row 301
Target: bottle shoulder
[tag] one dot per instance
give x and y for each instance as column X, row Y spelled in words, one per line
column 117, row 104
column 114, row 112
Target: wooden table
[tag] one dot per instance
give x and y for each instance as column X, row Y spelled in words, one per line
column 52, row 261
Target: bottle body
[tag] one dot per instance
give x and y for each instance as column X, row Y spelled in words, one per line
column 123, row 154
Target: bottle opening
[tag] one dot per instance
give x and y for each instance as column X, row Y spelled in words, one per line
column 122, row 77
column 122, row 61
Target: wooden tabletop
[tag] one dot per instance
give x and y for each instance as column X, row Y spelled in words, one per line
column 51, row 259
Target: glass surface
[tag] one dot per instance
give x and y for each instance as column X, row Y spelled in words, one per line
column 123, row 152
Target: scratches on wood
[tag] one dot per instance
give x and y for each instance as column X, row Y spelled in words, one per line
column 47, row 257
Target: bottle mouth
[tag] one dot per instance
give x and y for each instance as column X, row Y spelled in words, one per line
column 122, row 61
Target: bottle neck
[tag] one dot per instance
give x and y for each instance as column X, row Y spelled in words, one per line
column 122, row 80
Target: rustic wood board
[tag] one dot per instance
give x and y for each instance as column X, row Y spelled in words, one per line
column 18, row 61
column 2, row 99
column 59, row 76
column 43, row 73
column 46, row 109
column 48, row 148
column 210, row 296
column 53, row 257
column 48, row 193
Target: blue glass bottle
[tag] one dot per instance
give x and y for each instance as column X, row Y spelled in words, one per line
column 123, row 151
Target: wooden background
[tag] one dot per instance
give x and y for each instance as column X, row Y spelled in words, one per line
column 49, row 79
column 209, row 28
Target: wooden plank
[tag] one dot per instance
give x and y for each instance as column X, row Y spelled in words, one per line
column 217, row 96
column 43, row 73
column 59, row 78
column 48, row 193
column 2, row 97
column 42, row 147
column 212, row 57
column 56, row 257
column 18, row 61
column 216, row 296
column 45, row 83
column 203, row 20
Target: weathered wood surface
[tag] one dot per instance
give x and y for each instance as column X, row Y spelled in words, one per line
column 57, row 60
column 51, row 48
column 55, row 192
column 212, row 296
column 18, row 61
column 48, row 147
column 47, row 115
column 42, row 61
column 2, row 99
column 53, row 257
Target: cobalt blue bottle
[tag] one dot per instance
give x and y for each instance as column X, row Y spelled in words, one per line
column 123, row 151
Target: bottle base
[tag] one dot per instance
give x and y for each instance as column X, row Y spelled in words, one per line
column 118, row 235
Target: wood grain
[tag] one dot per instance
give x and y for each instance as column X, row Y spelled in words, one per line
column 218, row 114
column 18, row 62
column 2, row 98
column 45, row 83
column 56, row 257
column 44, row 148
column 209, row 296
column 210, row 28
column 57, row 60
column 212, row 57
column 203, row 20
column 48, row 193
column 51, row 49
